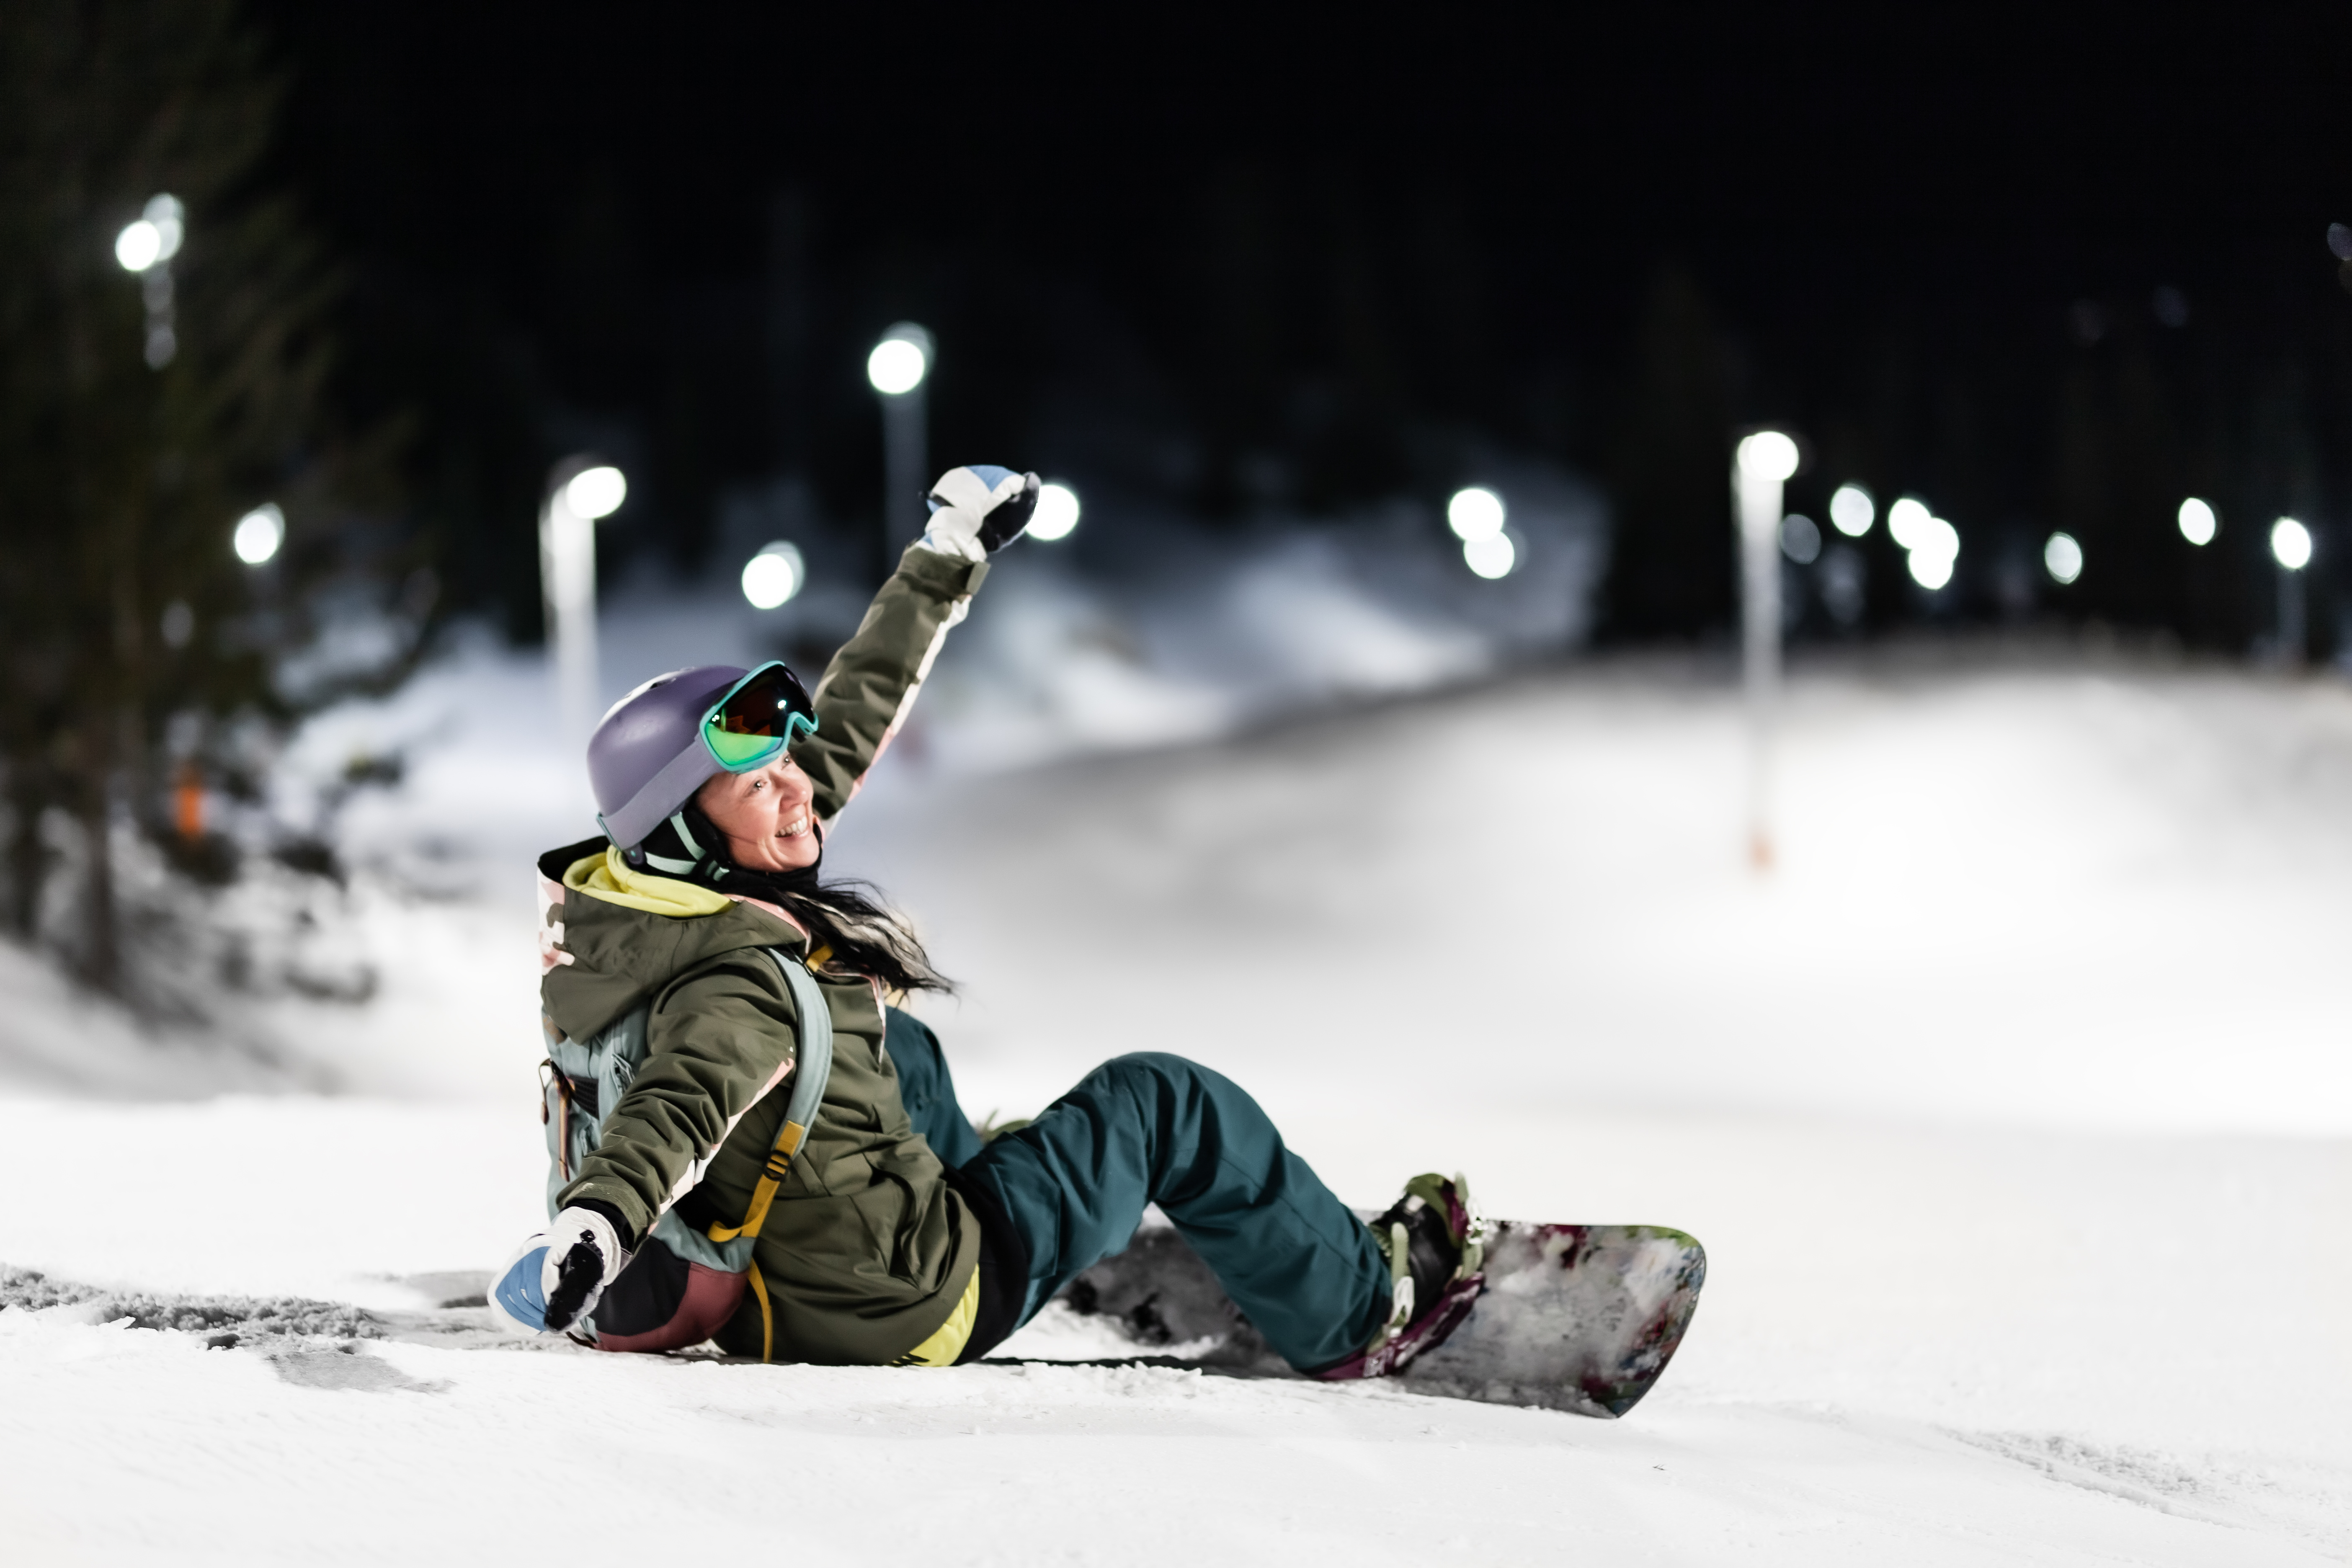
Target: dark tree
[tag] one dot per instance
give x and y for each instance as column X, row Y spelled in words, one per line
column 135, row 643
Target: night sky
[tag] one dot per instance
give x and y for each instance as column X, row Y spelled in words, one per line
column 1235, row 262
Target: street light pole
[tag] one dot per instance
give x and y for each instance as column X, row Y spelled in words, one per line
column 2291, row 548
column 580, row 490
column 143, row 248
column 1764, row 464
column 899, row 369
column 2292, row 636
column 146, row 246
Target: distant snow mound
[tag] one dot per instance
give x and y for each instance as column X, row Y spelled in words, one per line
column 1184, row 633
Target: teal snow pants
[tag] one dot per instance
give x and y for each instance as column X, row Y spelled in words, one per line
column 1157, row 1129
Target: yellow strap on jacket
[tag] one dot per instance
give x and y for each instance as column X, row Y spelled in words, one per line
column 810, row 1075
column 772, row 1176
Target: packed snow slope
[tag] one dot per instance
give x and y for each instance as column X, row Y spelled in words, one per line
column 2005, row 891
column 2011, row 1105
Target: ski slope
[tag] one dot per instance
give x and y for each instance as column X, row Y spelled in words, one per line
column 2007, row 891
column 2011, row 1105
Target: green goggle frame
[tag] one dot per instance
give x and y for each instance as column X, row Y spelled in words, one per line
column 759, row 716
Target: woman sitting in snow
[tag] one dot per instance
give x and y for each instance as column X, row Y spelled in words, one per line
column 891, row 1235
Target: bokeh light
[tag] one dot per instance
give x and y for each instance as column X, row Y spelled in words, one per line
column 1906, row 520
column 1474, row 514
column 1800, row 539
column 2061, row 557
column 153, row 237
column 774, row 576
column 1492, row 556
column 897, row 365
column 137, row 247
column 258, row 534
column 2291, row 544
column 1057, row 514
column 596, row 492
column 2198, row 523
column 1934, row 547
column 1852, row 511
column 168, row 217
column 1769, row 455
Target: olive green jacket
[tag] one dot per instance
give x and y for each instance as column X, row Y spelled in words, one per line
column 866, row 1251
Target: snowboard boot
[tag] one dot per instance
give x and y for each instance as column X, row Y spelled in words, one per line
column 1434, row 1242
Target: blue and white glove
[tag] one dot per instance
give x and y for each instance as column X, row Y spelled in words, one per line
column 978, row 511
column 554, row 1276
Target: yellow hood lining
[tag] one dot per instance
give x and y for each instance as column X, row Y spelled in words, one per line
column 609, row 878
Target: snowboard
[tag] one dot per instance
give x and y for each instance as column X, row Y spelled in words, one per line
column 1571, row 1317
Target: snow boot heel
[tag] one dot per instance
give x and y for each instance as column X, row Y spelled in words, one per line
column 1434, row 1242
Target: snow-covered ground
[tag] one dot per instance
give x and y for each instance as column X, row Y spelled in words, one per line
column 2013, row 1108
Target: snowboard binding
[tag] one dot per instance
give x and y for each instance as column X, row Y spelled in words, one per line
column 1435, row 1244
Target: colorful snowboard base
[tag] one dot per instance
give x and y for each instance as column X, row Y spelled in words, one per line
column 1573, row 1317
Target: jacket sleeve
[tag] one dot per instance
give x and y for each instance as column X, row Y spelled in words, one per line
column 870, row 686
column 719, row 1039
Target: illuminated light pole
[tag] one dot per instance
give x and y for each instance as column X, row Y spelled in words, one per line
column 579, row 491
column 146, row 246
column 1766, row 460
column 143, row 247
column 898, row 369
column 2291, row 548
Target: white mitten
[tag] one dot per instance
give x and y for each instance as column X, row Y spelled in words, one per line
column 554, row 1277
column 978, row 511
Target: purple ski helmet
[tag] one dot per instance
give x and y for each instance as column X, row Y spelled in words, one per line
column 647, row 758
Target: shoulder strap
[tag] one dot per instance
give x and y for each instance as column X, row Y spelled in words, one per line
column 815, row 1063
column 811, row 1069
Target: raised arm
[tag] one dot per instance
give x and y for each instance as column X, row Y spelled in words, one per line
column 870, row 686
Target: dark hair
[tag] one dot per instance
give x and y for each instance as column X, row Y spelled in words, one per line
column 866, row 936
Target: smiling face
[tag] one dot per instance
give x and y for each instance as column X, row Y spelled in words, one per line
column 763, row 816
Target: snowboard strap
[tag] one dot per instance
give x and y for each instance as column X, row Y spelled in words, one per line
column 810, row 1074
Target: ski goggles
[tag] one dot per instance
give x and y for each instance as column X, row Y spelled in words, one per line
column 751, row 724
column 758, row 718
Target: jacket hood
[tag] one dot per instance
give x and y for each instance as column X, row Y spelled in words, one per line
column 611, row 936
